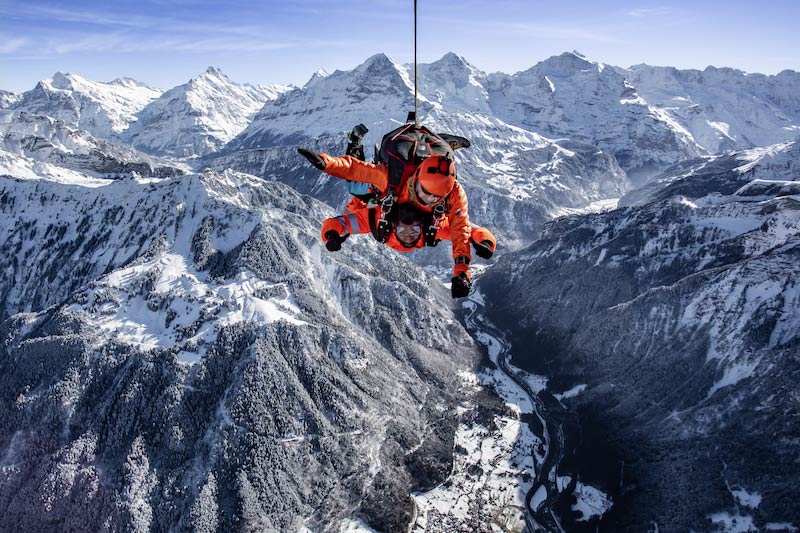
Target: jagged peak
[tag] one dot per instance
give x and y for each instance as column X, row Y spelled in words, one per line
column 130, row 83
column 63, row 80
column 452, row 60
column 320, row 74
column 711, row 69
column 452, row 57
column 214, row 72
column 574, row 57
column 380, row 60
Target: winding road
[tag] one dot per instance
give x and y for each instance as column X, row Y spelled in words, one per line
column 545, row 407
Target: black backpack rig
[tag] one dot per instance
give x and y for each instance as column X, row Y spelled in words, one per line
column 402, row 150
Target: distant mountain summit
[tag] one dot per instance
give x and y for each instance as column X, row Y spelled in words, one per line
column 200, row 116
column 7, row 99
column 570, row 96
column 373, row 93
column 505, row 166
column 103, row 109
column 724, row 108
column 455, row 83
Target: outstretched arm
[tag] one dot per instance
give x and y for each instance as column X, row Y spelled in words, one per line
column 336, row 229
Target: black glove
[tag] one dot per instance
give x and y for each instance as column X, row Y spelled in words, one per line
column 460, row 286
column 333, row 241
column 312, row 157
column 483, row 249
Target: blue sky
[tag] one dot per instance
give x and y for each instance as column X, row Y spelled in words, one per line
column 166, row 42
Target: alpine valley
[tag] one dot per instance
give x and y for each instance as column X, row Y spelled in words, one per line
column 180, row 352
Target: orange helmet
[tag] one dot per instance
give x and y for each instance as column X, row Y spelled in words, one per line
column 437, row 174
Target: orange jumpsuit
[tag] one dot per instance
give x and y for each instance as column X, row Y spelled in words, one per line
column 353, row 169
column 358, row 221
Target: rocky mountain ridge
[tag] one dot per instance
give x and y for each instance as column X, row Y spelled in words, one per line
column 677, row 317
column 188, row 358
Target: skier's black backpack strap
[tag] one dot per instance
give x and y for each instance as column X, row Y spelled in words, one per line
column 433, row 222
column 381, row 225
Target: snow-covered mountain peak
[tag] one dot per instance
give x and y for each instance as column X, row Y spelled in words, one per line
column 455, row 66
column 381, row 71
column 66, row 81
column 102, row 109
column 7, row 99
column 570, row 96
column 566, row 64
column 213, row 73
column 723, row 108
column 377, row 93
column 130, row 83
column 320, row 74
column 453, row 82
column 199, row 116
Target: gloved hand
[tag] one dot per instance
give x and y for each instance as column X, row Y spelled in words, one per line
column 460, row 285
column 461, row 282
column 312, row 157
column 333, row 241
column 483, row 249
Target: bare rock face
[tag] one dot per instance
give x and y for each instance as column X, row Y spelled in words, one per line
column 680, row 315
column 212, row 369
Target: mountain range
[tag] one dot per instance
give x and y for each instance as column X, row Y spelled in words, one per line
column 180, row 352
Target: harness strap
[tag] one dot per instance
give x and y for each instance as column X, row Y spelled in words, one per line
column 462, row 260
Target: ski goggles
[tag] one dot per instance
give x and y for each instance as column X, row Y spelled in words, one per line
column 408, row 230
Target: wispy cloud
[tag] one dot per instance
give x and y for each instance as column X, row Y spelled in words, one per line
column 131, row 21
column 649, row 12
column 9, row 46
column 127, row 43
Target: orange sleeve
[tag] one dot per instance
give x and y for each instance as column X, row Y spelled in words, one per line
column 354, row 169
column 347, row 223
column 481, row 234
column 458, row 219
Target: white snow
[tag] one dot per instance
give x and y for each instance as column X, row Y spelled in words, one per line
column 747, row 499
column 22, row 167
column 732, row 375
column 591, row 502
column 733, row 523
column 538, row 497
column 352, row 526
column 571, row 393
column 780, row 526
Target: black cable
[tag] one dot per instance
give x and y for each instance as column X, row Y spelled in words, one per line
column 416, row 113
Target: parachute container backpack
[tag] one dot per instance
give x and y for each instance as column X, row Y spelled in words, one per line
column 402, row 150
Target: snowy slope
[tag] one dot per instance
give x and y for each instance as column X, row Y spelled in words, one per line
column 681, row 316
column 200, row 116
column 570, row 96
column 7, row 99
column 724, row 108
column 206, row 364
column 102, row 109
column 48, row 140
column 723, row 174
column 334, row 103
